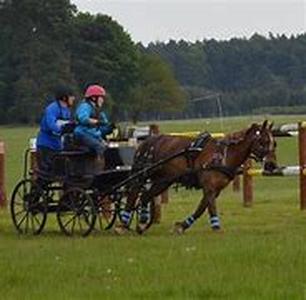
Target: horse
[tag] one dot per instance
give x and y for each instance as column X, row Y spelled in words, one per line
column 208, row 164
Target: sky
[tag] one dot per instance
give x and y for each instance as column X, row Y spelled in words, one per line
column 156, row 20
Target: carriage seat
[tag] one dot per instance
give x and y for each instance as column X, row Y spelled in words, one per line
column 78, row 154
column 79, row 161
column 82, row 151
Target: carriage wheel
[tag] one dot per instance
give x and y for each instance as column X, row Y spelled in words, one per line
column 76, row 214
column 107, row 210
column 29, row 207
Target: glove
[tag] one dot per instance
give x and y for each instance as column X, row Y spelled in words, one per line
column 112, row 126
column 69, row 127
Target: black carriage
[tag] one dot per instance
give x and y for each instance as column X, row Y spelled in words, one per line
column 78, row 190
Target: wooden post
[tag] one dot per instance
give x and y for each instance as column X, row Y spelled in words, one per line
column 154, row 129
column 247, row 184
column 2, row 176
column 157, row 210
column 302, row 157
column 33, row 163
column 236, row 184
column 164, row 197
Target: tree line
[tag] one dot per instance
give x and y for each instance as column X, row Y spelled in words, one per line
column 49, row 42
column 45, row 43
column 255, row 75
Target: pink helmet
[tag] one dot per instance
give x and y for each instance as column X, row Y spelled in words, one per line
column 95, row 90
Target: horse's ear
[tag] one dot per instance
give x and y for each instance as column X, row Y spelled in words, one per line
column 271, row 125
column 264, row 125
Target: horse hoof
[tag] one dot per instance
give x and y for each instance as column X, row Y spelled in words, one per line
column 178, row 228
column 140, row 228
column 121, row 229
column 217, row 229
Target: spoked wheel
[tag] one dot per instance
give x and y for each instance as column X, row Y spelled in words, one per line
column 76, row 214
column 107, row 210
column 29, row 207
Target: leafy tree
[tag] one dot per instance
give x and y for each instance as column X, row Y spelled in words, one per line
column 37, row 54
column 47, row 42
column 103, row 52
column 156, row 89
column 248, row 73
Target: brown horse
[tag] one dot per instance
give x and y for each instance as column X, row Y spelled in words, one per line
column 211, row 169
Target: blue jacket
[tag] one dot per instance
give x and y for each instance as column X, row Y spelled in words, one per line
column 51, row 124
column 84, row 112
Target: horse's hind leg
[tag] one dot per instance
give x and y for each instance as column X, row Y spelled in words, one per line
column 208, row 198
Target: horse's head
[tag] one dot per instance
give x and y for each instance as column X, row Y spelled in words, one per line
column 262, row 142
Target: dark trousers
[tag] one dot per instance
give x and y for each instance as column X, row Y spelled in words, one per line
column 96, row 145
column 45, row 159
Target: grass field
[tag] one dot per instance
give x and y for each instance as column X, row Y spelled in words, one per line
column 260, row 255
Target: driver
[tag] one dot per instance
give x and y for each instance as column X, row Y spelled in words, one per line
column 57, row 116
column 92, row 123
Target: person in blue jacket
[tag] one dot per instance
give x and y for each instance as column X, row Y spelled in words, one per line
column 92, row 124
column 56, row 118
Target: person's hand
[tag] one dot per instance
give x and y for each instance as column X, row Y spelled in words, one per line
column 68, row 127
column 112, row 126
column 94, row 122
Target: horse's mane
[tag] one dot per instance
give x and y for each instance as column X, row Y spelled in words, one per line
column 235, row 137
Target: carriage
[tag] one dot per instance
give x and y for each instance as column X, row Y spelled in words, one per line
column 80, row 192
column 83, row 194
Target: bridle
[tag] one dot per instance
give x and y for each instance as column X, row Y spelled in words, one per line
column 259, row 147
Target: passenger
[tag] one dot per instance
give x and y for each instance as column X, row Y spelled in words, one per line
column 56, row 118
column 92, row 123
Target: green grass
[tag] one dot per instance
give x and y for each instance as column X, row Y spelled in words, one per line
column 260, row 255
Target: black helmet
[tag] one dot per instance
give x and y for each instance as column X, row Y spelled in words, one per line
column 62, row 91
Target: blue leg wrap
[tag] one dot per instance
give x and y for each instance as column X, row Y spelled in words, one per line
column 125, row 217
column 214, row 222
column 144, row 215
column 189, row 221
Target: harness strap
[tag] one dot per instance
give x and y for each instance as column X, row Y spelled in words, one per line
column 228, row 171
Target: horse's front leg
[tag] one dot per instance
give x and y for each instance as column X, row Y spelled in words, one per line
column 207, row 200
column 213, row 215
column 126, row 214
column 146, row 217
